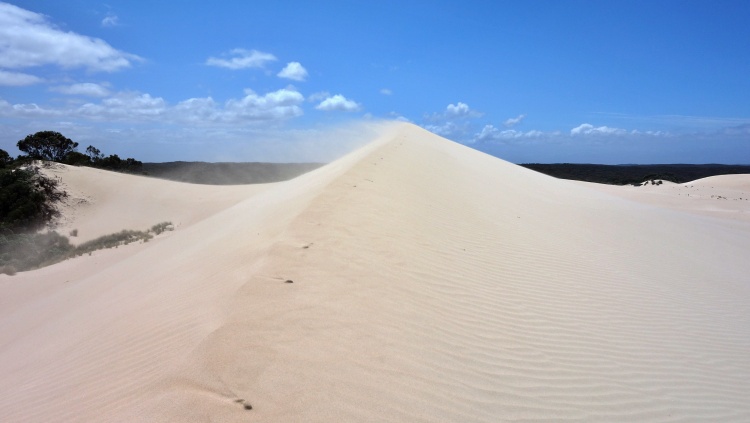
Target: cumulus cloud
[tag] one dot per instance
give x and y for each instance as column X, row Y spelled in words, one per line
column 294, row 71
column 588, row 129
column 338, row 103
column 140, row 108
column 197, row 110
column 30, row 40
column 453, row 123
column 17, row 79
column 386, row 91
column 491, row 133
column 125, row 106
column 89, row 89
column 242, row 59
column 459, row 109
column 281, row 104
column 511, row 122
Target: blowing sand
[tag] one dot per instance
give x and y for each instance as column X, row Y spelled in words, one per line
column 430, row 282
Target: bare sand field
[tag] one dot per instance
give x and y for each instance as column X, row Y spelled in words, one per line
column 413, row 280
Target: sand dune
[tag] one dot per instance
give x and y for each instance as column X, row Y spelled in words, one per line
column 724, row 196
column 431, row 282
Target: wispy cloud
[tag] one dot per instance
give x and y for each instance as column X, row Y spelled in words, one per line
column 294, row 71
column 386, row 91
column 18, row 79
column 89, row 89
column 110, row 21
column 30, row 40
column 511, row 122
column 318, row 96
column 241, row 59
column 338, row 103
column 588, row 129
column 676, row 121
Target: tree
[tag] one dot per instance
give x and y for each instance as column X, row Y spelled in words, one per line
column 5, row 158
column 47, row 145
column 27, row 199
column 94, row 153
column 75, row 158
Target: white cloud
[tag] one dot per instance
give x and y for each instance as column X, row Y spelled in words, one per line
column 89, row 89
column 338, row 103
column 386, row 91
column 588, row 129
column 459, row 109
column 319, row 96
column 294, row 71
column 110, row 21
column 197, row 110
column 511, row 122
column 242, row 59
column 398, row 117
column 131, row 106
column 141, row 108
column 650, row 133
column 490, row 133
column 454, row 111
column 454, row 123
column 29, row 39
column 445, row 129
column 281, row 104
column 17, row 79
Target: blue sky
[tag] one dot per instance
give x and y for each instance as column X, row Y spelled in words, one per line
column 537, row 81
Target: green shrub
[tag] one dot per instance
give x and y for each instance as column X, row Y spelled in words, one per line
column 112, row 241
column 27, row 199
column 161, row 227
column 33, row 250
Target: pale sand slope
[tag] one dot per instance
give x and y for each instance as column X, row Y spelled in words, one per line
column 431, row 283
column 101, row 202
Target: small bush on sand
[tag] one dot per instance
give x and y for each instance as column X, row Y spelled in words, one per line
column 7, row 270
column 32, row 250
column 161, row 227
column 112, row 241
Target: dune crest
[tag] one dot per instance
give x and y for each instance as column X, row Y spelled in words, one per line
column 429, row 282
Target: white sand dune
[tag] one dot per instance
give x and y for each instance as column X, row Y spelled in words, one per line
column 431, row 282
column 724, row 196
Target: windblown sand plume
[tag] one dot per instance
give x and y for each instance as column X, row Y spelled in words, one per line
column 412, row 280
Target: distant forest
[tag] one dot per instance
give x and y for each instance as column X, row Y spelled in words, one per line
column 635, row 174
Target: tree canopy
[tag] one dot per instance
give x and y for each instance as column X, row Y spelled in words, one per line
column 47, row 145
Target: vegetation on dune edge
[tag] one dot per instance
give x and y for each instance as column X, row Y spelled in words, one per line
column 28, row 203
column 29, row 251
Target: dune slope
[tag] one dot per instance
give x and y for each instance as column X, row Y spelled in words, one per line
column 430, row 282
